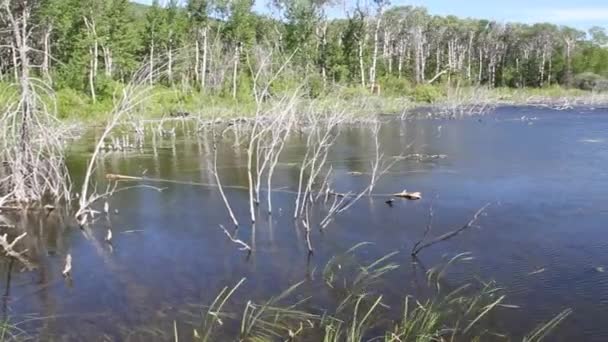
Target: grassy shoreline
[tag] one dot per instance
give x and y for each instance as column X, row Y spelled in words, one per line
column 162, row 101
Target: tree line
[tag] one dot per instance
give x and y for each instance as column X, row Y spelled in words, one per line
column 209, row 45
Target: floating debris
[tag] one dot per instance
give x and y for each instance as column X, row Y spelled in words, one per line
column 355, row 173
column 600, row 269
column 109, row 236
column 413, row 196
column 390, row 202
column 541, row 270
column 592, row 141
column 421, row 157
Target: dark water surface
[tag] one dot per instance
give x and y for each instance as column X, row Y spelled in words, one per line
column 545, row 172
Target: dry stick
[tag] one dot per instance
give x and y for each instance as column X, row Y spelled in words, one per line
column 244, row 245
column 256, row 135
column 306, row 223
column 446, row 236
column 131, row 97
column 219, row 184
column 10, row 251
column 252, row 139
column 320, row 151
column 275, row 160
column 333, row 210
column 303, row 167
column 362, row 193
column 376, row 162
column 325, row 185
column 429, row 226
column 268, row 152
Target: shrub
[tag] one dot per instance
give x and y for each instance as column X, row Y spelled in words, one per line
column 426, row 93
column 71, row 103
column 591, row 81
column 316, row 87
column 394, row 86
column 352, row 92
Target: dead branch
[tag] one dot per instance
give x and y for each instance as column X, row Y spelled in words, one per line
column 429, row 226
column 219, row 184
column 244, row 245
column 9, row 250
column 420, row 245
column 132, row 96
column 306, row 224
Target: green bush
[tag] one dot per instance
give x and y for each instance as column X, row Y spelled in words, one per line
column 393, row 86
column 426, row 93
column 107, row 88
column 352, row 92
column 71, row 103
column 591, row 81
column 316, row 87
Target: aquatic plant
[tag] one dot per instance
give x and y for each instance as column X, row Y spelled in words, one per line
column 360, row 313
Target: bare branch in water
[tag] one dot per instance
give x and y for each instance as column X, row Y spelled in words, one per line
column 132, row 95
column 9, row 250
column 306, row 224
column 420, row 245
column 219, row 184
column 244, row 245
column 429, row 226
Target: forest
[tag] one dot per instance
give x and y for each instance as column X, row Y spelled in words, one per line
column 87, row 49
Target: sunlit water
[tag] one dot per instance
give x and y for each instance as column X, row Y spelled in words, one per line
column 543, row 238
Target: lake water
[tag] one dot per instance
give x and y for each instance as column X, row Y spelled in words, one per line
column 544, row 237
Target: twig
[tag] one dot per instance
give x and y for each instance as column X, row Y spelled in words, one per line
column 219, row 184
column 420, row 246
column 10, row 251
column 429, row 226
column 244, row 245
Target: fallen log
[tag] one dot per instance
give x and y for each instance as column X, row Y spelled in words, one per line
column 117, row 177
column 412, row 196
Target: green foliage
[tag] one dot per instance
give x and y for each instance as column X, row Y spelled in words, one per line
column 71, row 103
column 96, row 45
column 393, row 86
column 426, row 93
column 591, row 81
column 316, row 87
column 358, row 311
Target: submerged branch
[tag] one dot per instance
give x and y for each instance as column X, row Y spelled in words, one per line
column 420, row 246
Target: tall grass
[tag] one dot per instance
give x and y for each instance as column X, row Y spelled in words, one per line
column 360, row 312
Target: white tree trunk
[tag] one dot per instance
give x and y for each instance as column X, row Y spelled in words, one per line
column 235, row 70
column 361, row 66
column 203, row 71
column 197, row 60
column 46, row 61
column 151, row 75
column 372, row 70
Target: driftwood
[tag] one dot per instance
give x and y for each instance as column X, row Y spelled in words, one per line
column 116, row 177
column 413, row 196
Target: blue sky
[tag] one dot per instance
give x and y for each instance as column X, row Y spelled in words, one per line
column 582, row 13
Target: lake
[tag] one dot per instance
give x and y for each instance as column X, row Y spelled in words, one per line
column 543, row 238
